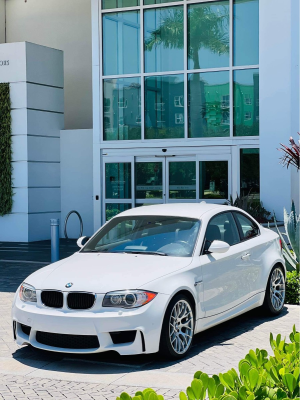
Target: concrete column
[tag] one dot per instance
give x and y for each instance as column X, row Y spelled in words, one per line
column 35, row 74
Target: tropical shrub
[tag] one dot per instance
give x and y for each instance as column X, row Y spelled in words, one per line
column 252, row 206
column 292, row 289
column 291, row 154
column 259, row 377
column 292, row 232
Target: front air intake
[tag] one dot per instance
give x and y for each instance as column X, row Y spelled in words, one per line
column 68, row 341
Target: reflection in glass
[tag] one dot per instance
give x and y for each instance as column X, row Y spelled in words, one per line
column 122, row 109
column 246, row 102
column 208, row 35
column 245, row 32
column 163, row 39
column 121, row 43
column 249, row 172
column 118, row 180
column 182, row 180
column 113, row 209
column 119, row 3
column 213, row 179
column 148, row 180
column 149, row 2
column 208, row 108
column 164, row 107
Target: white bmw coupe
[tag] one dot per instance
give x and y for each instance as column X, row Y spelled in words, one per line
column 150, row 279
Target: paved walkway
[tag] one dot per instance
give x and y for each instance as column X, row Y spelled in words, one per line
column 27, row 373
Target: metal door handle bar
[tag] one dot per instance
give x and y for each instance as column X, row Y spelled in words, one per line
column 66, row 221
column 197, row 283
column 245, row 256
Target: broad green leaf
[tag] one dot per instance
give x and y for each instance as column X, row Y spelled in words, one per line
column 297, row 337
column 244, row 368
column 139, row 394
column 153, row 396
column 290, row 382
column 125, row 396
column 294, row 329
column 253, row 378
column 204, row 378
column 216, row 379
column 243, row 393
column 190, row 393
column 229, row 397
column 211, row 388
column 227, row 380
column 278, row 339
column 182, row 396
column 296, row 373
column 234, row 394
column 198, row 374
column 219, row 390
column 197, row 387
column 137, row 398
column 160, row 397
column 274, row 374
column 281, row 394
column 251, row 396
column 253, row 358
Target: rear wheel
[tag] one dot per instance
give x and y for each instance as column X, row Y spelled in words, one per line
column 178, row 328
column 275, row 292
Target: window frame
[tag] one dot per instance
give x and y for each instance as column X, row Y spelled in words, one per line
column 202, row 252
column 242, row 238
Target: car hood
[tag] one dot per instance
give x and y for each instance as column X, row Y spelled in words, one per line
column 102, row 273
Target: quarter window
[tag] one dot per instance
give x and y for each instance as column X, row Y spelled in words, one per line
column 248, row 228
column 221, row 227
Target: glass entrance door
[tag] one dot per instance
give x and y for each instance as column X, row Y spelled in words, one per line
column 136, row 181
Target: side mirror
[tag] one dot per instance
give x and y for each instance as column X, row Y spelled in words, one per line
column 82, row 241
column 218, row 246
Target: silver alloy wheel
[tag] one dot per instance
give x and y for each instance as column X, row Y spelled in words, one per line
column 277, row 289
column 181, row 327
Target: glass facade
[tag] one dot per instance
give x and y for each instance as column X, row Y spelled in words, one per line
column 246, row 102
column 122, row 109
column 213, row 179
column 164, row 107
column 209, row 104
column 186, row 72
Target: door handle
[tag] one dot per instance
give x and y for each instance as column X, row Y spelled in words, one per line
column 197, row 283
column 245, row 256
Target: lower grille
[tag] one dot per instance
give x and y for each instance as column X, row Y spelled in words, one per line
column 67, row 341
column 80, row 301
column 52, row 298
column 26, row 329
column 123, row 337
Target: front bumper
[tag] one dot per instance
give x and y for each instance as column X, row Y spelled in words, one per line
column 98, row 321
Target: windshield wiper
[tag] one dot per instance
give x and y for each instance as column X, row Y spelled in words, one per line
column 155, row 253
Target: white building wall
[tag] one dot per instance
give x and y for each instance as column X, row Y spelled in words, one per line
column 279, row 96
column 37, row 118
column 76, row 153
column 63, row 25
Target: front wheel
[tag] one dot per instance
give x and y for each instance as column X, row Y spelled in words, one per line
column 178, row 328
column 275, row 292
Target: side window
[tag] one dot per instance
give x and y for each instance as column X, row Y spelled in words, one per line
column 248, row 229
column 222, row 227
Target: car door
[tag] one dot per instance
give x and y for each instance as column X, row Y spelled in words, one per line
column 254, row 248
column 224, row 275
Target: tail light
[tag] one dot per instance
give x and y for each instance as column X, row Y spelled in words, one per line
column 280, row 243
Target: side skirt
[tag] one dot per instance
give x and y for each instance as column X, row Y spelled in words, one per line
column 208, row 322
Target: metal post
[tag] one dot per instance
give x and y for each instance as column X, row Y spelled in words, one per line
column 54, row 240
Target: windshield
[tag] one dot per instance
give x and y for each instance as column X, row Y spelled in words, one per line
column 157, row 235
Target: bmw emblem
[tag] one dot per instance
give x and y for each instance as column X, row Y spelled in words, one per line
column 68, row 285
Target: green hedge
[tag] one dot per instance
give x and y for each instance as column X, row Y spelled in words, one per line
column 292, row 295
column 259, row 377
column 6, row 192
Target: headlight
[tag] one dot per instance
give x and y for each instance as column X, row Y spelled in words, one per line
column 27, row 293
column 128, row 298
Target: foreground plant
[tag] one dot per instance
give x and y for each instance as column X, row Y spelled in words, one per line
column 291, row 154
column 259, row 377
column 292, row 232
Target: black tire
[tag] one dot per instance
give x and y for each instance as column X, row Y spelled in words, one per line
column 166, row 348
column 268, row 304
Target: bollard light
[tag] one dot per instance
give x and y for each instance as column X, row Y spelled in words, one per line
column 54, row 240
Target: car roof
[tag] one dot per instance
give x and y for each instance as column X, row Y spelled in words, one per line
column 188, row 210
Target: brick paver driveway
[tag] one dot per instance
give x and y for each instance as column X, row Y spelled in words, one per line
column 26, row 373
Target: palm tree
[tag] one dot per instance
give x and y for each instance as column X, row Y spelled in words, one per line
column 207, row 29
